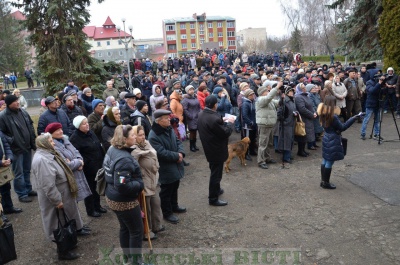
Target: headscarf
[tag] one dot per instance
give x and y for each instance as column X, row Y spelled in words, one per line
column 110, row 115
column 135, row 131
column 42, row 142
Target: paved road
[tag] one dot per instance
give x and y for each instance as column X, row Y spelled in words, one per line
column 275, row 209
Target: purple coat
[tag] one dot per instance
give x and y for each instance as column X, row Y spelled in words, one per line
column 191, row 109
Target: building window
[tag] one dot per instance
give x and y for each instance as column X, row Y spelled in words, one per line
column 231, row 24
column 210, row 25
column 219, row 25
column 109, row 54
column 98, row 44
column 108, row 43
column 220, row 43
column 201, row 32
column 192, row 26
column 170, row 27
column 172, row 55
column 220, row 34
column 192, row 36
column 183, row 37
column 210, row 35
column 231, row 33
column 193, row 45
column 171, row 37
column 119, row 42
column 231, row 43
column 183, row 26
column 171, row 47
column 201, row 27
column 120, row 53
column 99, row 54
column 184, row 45
column 202, row 41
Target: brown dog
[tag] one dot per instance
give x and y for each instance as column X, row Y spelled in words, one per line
column 238, row 149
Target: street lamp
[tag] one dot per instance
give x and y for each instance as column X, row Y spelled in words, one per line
column 126, row 42
column 340, row 20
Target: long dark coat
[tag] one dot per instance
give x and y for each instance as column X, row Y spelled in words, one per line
column 191, row 109
column 90, row 148
column 286, row 132
column 304, row 106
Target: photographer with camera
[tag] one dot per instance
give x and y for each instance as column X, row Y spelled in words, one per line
column 391, row 82
column 375, row 87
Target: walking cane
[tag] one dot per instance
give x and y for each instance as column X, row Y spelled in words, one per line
column 145, row 220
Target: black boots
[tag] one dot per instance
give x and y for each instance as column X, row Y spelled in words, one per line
column 302, row 149
column 326, row 175
column 193, row 146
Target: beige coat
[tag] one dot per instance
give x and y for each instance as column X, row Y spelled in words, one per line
column 148, row 161
column 339, row 91
column 51, row 184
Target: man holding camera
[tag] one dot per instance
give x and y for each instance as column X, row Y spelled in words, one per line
column 373, row 91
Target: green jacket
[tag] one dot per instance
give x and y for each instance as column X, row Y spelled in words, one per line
column 266, row 109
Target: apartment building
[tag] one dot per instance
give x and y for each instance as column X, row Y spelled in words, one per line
column 187, row 34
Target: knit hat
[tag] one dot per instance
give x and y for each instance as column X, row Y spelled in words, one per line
column 2, row 102
column 86, row 90
column 10, row 99
column 96, row 102
column 217, row 90
column 242, row 85
column 261, row 90
column 52, row 127
column 176, row 82
column 42, row 102
column 78, row 120
column 288, row 89
column 122, row 95
column 210, row 101
column 140, row 104
column 71, row 92
column 137, row 91
column 248, row 92
column 309, row 87
column 188, row 88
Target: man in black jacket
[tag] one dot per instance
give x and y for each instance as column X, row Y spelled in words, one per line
column 17, row 126
column 53, row 114
column 214, row 135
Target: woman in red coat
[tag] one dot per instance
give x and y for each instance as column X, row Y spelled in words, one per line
column 202, row 93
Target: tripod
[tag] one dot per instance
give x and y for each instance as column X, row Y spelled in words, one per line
column 381, row 102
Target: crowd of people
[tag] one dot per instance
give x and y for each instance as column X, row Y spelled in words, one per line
column 136, row 135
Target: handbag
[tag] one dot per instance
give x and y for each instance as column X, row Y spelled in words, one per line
column 299, row 127
column 182, row 131
column 6, row 173
column 101, row 182
column 65, row 236
column 7, row 245
column 344, row 144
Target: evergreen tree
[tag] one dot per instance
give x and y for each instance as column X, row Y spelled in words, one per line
column 389, row 30
column 62, row 52
column 12, row 48
column 359, row 30
column 295, row 40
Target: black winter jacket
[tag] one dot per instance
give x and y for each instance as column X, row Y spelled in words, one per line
column 58, row 116
column 107, row 132
column 123, row 175
column 13, row 132
column 214, row 135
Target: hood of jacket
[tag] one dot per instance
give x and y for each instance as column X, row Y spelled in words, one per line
column 175, row 95
column 154, row 91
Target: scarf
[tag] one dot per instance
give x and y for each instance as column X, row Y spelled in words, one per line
column 43, row 143
column 111, row 116
column 141, row 145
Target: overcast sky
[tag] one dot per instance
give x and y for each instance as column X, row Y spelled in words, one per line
column 146, row 16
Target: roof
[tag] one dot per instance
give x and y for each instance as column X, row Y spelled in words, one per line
column 191, row 19
column 104, row 32
column 108, row 22
column 18, row 15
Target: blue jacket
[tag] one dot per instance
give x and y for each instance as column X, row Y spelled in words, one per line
column 373, row 89
column 7, row 150
column 249, row 113
column 332, row 148
column 223, row 105
column 59, row 116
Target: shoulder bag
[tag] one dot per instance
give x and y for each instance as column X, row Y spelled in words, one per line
column 6, row 173
column 7, row 245
column 65, row 236
column 299, row 127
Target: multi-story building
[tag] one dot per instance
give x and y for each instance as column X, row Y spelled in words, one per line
column 252, row 39
column 105, row 42
column 186, row 35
